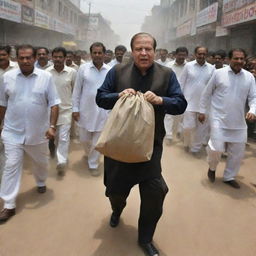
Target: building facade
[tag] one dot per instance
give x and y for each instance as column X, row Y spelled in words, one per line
column 217, row 24
column 44, row 23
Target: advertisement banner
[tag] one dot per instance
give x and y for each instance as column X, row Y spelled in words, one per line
column 245, row 14
column 220, row 31
column 28, row 3
column 10, row 10
column 42, row 20
column 231, row 5
column 184, row 29
column 27, row 15
column 207, row 15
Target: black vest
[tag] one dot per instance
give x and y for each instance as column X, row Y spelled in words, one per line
column 118, row 175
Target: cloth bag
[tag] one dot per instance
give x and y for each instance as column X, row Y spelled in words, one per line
column 128, row 135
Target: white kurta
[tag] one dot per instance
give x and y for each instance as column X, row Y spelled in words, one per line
column 64, row 82
column 193, row 80
column 113, row 62
column 178, row 69
column 227, row 93
column 27, row 100
column 163, row 63
column 88, row 80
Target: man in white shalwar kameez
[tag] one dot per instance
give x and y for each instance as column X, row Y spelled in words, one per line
column 91, row 119
column 5, row 65
column 172, row 123
column 193, row 80
column 64, row 80
column 227, row 93
column 26, row 95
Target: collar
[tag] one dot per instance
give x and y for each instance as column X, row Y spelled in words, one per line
column 65, row 69
column 231, row 70
column 12, row 64
column 91, row 65
column 44, row 67
column 176, row 64
column 35, row 72
column 196, row 63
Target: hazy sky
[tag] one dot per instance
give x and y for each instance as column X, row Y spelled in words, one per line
column 126, row 16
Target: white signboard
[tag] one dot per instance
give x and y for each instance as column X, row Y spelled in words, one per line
column 245, row 14
column 42, row 20
column 184, row 29
column 9, row 10
column 220, row 31
column 207, row 15
column 230, row 5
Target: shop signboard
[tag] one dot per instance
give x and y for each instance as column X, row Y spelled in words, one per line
column 27, row 15
column 207, row 15
column 28, row 3
column 242, row 15
column 220, row 31
column 231, row 5
column 42, row 20
column 10, row 10
column 184, row 29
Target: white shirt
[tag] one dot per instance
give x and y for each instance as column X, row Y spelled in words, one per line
column 12, row 65
column 64, row 82
column 193, row 80
column 74, row 66
column 224, row 65
column 163, row 63
column 113, row 62
column 227, row 93
column 27, row 100
column 88, row 80
column 37, row 65
column 176, row 67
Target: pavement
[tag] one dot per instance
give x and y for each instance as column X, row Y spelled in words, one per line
column 71, row 218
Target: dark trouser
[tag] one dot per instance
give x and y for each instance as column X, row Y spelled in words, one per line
column 152, row 194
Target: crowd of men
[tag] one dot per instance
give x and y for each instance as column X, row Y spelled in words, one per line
column 47, row 98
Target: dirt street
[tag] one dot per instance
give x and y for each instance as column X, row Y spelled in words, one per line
column 71, row 218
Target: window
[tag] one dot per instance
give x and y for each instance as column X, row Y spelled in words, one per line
column 60, row 8
column 65, row 12
column 192, row 5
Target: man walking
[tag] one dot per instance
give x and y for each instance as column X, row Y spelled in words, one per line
column 89, row 116
column 193, row 80
column 172, row 123
column 64, row 79
column 5, row 65
column 162, row 90
column 120, row 50
column 226, row 93
column 42, row 54
column 163, row 58
column 26, row 94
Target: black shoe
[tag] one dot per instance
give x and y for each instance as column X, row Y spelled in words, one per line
column 114, row 220
column 149, row 249
column 6, row 214
column 41, row 190
column 211, row 175
column 232, row 183
column 52, row 147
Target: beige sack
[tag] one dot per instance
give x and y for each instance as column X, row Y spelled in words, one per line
column 128, row 135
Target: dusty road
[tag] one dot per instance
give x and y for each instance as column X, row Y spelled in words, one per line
column 71, row 218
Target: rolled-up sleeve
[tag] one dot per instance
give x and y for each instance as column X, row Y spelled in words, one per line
column 106, row 96
column 174, row 102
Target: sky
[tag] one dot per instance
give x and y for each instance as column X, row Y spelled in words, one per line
column 126, row 16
